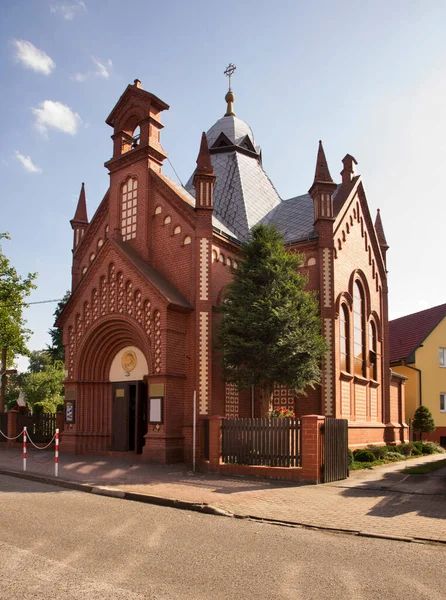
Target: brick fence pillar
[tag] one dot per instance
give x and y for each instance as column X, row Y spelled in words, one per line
column 214, row 442
column 60, row 421
column 311, row 447
column 12, row 426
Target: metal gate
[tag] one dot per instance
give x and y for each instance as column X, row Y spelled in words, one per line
column 335, row 449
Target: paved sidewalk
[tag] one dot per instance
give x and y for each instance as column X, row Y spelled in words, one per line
column 383, row 501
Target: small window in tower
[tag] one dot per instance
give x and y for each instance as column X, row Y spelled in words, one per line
column 129, row 208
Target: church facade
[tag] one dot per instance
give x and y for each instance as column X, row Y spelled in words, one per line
column 149, row 269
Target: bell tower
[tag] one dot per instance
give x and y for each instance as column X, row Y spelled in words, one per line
column 136, row 122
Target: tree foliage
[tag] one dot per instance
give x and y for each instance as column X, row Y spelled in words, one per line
column 39, row 360
column 14, row 289
column 56, row 349
column 44, row 386
column 423, row 421
column 270, row 329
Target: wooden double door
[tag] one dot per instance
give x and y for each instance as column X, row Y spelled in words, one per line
column 129, row 416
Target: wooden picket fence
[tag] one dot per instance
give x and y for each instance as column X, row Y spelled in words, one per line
column 267, row 442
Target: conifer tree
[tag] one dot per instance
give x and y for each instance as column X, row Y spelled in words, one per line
column 270, row 330
column 423, row 421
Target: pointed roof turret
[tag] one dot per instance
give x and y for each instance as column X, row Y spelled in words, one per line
column 204, row 164
column 380, row 231
column 81, row 210
column 322, row 174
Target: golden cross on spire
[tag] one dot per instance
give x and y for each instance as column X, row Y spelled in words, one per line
column 229, row 72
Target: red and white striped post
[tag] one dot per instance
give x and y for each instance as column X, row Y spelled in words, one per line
column 24, row 448
column 56, row 455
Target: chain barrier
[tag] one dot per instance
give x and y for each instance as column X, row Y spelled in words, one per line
column 26, row 438
column 10, row 438
column 17, row 454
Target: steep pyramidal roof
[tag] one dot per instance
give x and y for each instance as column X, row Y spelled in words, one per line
column 80, row 215
column 380, row 231
column 322, row 173
column 204, row 164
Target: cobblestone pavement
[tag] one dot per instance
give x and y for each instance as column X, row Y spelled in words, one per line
column 382, row 501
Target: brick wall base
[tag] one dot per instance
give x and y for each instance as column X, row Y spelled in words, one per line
column 379, row 434
column 163, row 449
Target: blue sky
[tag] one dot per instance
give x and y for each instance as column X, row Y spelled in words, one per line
column 366, row 78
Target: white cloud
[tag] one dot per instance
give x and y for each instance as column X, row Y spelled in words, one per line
column 102, row 69
column 27, row 163
column 69, row 11
column 51, row 114
column 33, row 58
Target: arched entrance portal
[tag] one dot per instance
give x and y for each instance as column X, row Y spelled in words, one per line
column 111, row 363
column 128, row 374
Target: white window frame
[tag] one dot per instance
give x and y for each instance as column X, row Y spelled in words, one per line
column 443, row 400
column 442, row 357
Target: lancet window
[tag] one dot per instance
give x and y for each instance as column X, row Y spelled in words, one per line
column 129, row 208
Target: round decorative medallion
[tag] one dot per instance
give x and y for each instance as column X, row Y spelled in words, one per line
column 129, row 361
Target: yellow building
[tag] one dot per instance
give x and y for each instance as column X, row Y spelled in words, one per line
column 418, row 351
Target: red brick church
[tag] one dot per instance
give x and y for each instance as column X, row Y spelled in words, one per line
column 148, row 271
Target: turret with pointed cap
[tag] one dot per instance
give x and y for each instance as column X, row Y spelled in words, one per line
column 380, row 235
column 79, row 222
column 204, row 177
column 322, row 189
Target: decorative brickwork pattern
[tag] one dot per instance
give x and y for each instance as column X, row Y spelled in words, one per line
column 104, row 296
column 360, row 402
column 283, row 397
column 374, row 404
column 112, row 288
column 328, row 369
column 138, row 307
column 148, row 318
column 95, row 303
column 203, row 366
column 327, row 277
column 103, row 304
column 231, row 401
column 87, row 314
column 130, row 310
column 204, row 274
column 71, row 351
column 345, row 399
column 157, row 359
column 121, row 292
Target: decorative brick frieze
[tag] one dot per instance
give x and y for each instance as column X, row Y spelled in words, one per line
column 203, row 363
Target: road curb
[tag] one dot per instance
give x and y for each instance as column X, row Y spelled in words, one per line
column 113, row 492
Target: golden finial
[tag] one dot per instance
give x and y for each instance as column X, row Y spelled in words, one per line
column 230, row 95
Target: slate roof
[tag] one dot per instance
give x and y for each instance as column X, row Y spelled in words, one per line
column 294, row 218
column 408, row 333
column 233, row 127
column 244, row 195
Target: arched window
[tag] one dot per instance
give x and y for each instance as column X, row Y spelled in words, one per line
column 373, row 351
column 358, row 330
column 344, row 337
column 129, row 207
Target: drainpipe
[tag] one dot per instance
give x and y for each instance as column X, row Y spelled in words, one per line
column 419, row 380
column 252, row 402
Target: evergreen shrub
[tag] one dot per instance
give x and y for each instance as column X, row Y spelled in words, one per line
column 363, row 455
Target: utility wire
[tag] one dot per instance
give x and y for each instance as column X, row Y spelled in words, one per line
column 175, row 172
column 29, row 303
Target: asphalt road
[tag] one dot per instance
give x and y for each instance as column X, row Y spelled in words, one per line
column 60, row 544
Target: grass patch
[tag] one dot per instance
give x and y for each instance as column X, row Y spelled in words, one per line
column 427, row 468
